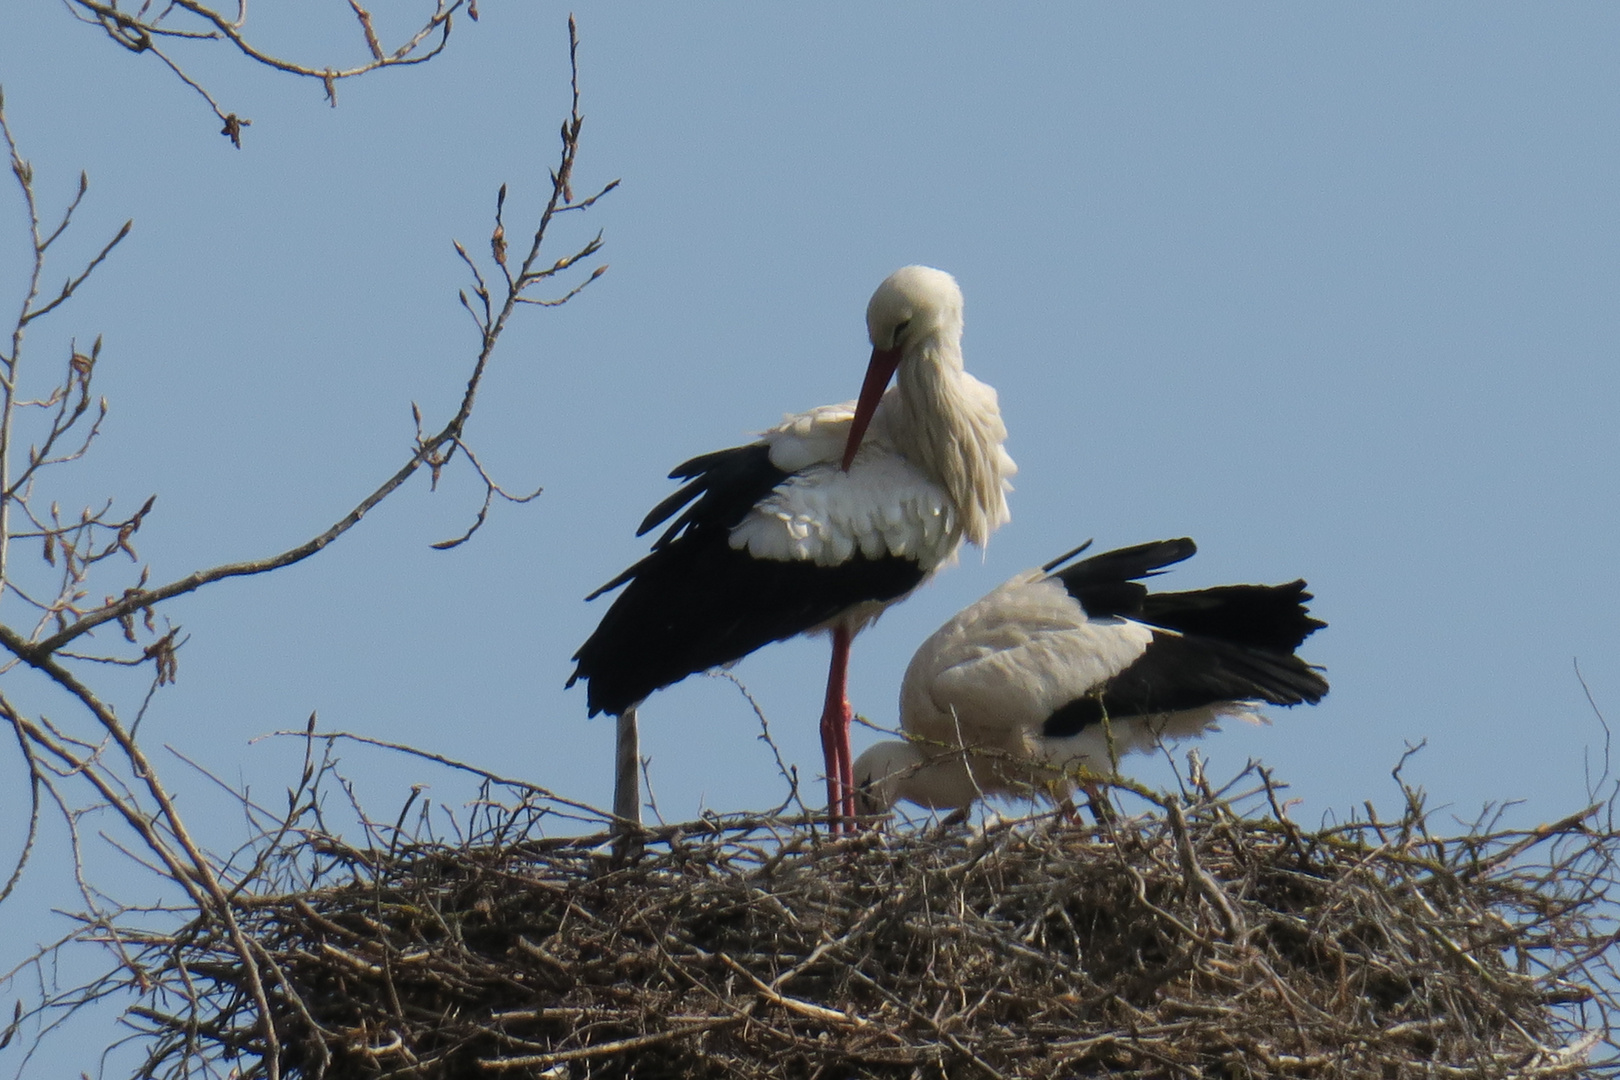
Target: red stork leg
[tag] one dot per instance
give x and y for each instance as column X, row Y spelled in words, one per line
column 847, row 767
column 835, row 718
column 1102, row 807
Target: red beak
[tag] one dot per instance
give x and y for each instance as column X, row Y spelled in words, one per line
column 878, row 374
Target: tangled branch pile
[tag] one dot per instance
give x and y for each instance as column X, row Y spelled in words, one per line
column 1195, row 941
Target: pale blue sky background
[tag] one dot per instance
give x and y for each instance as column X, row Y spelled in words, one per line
column 1330, row 289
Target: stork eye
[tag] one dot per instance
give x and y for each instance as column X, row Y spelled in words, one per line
column 900, row 332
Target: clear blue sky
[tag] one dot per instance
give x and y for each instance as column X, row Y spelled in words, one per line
column 1331, row 289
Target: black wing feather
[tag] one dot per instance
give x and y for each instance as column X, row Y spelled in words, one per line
column 1230, row 643
column 1179, row 672
column 1106, row 584
column 695, row 603
column 725, row 483
column 1261, row 616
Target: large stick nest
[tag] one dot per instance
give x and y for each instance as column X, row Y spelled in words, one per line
column 1193, row 941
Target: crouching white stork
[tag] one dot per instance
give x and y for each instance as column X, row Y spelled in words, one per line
column 1060, row 672
column 827, row 519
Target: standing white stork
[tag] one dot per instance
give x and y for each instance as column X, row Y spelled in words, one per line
column 1064, row 670
column 827, row 519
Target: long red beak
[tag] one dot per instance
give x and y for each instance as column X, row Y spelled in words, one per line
column 878, row 374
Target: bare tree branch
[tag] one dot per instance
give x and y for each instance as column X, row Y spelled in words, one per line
column 435, row 451
column 104, row 769
column 152, row 32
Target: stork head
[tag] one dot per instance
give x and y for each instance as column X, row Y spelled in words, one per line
column 878, row 774
column 915, row 304
column 890, row 771
column 912, row 304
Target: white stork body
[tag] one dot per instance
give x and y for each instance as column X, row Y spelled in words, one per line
column 1057, row 674
column 827, row 519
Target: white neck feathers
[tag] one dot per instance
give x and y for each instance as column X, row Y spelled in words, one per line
column 948, row 423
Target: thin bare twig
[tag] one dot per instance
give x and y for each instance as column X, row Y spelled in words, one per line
column 109, row 767
column 151, row 31
column 434, row 452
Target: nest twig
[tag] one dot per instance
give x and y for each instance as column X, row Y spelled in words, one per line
column 1214, row 939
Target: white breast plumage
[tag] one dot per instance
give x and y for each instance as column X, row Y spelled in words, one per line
column 883, row 506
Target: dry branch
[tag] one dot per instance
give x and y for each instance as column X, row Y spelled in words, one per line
column 91, row 763
column 155, row 30
column 434, row 451
column 1216, row 940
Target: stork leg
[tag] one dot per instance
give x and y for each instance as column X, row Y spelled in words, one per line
column 1101, row 807
column 627, row 789
column 835, row 719
column 627, row 774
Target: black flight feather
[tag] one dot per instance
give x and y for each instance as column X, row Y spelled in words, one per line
column 1179, row 672
column 1229, row 643
column 694, row 602
column 1262, row 616
column 725, row 485
column 1106, row 584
